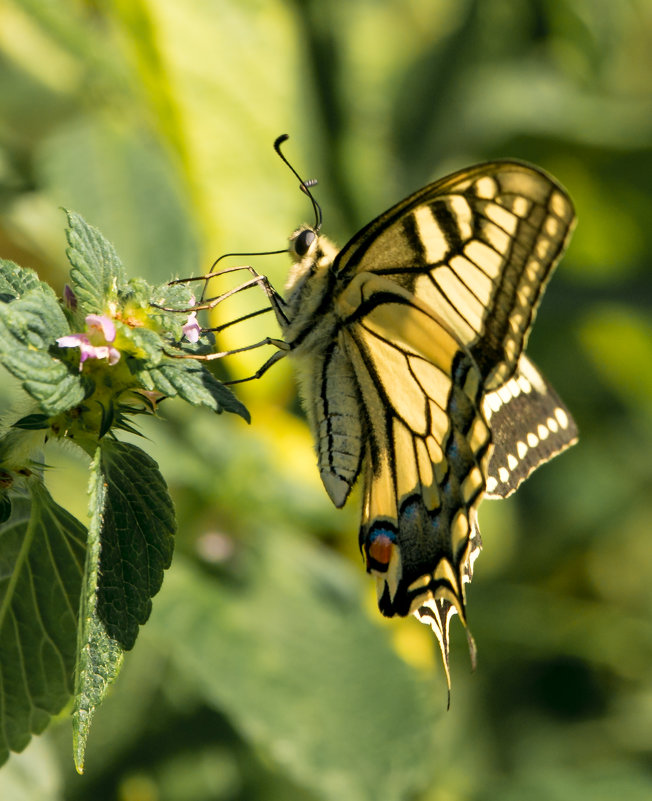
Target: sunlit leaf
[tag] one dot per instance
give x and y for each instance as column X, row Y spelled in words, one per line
column 97, row 273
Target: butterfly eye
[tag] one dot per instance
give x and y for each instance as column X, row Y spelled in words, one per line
column 303, row 242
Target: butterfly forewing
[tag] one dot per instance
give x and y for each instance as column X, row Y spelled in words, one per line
column 478, row 247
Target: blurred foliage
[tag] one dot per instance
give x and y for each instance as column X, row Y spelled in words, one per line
column 261, row 664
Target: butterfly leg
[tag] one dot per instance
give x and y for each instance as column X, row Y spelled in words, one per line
column 277, row 304
column 275, row 357
column 282, row 346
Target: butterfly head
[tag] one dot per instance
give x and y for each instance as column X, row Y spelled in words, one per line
column 303, row 243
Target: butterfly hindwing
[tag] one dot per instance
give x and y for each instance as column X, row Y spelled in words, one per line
column 529, row 425
column 426, row 456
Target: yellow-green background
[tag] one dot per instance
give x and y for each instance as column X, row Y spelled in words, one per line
column 155, row 120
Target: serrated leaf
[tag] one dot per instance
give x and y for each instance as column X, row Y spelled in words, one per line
column 97, row 274
column 146, row 344
column 41, row 558
column 137, row 535
column 15, row 281
column 28, row 327
column 173, row 296
column 191, row 381
column 99, row 657
column 131, row 540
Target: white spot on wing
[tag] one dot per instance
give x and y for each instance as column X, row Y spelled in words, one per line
column 521, row 449
column 491, row 484
column 504, row 393
column 512, row 461
column 524, row 384
column 503, row 474
column 542, row 431
column 562, row 417
column 532, row 440
column 493, row 401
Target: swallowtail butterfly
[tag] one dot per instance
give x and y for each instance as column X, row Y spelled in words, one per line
column 409, row 348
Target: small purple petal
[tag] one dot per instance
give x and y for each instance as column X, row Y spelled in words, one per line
column 69, row 298
column 114, row 355
column 102, row 323
column 192, row 330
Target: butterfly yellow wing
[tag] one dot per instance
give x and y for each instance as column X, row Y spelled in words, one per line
column 478, row 247
column 425, row 458
column 409, row 346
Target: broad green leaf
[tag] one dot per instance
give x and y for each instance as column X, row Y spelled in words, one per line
column 290, row 655
column 41, row 557
column 97, row 274
column 130, row 545
column 137, row 537
column 15, row 280
column 28, row 328
column 191, row 381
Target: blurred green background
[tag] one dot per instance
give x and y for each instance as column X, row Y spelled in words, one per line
column 265, row 671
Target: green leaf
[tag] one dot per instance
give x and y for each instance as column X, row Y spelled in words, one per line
column 97, row 274
column 32, row 422
column 173, row 296
column 28, row 328
column 41, row 557
column 130, row 545
column 290, row 655
column 137, row 535
column 191, row 381
column 146, row 344
column 99, row 657
column 15, row 280
column 5, row 507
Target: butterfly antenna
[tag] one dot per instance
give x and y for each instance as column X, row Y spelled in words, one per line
column 305, row 185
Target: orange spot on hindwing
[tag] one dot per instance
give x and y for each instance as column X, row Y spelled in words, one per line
column 379, row 549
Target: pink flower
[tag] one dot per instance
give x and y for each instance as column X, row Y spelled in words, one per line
column 192, row 330
column 101, row 323
column 100, row 330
